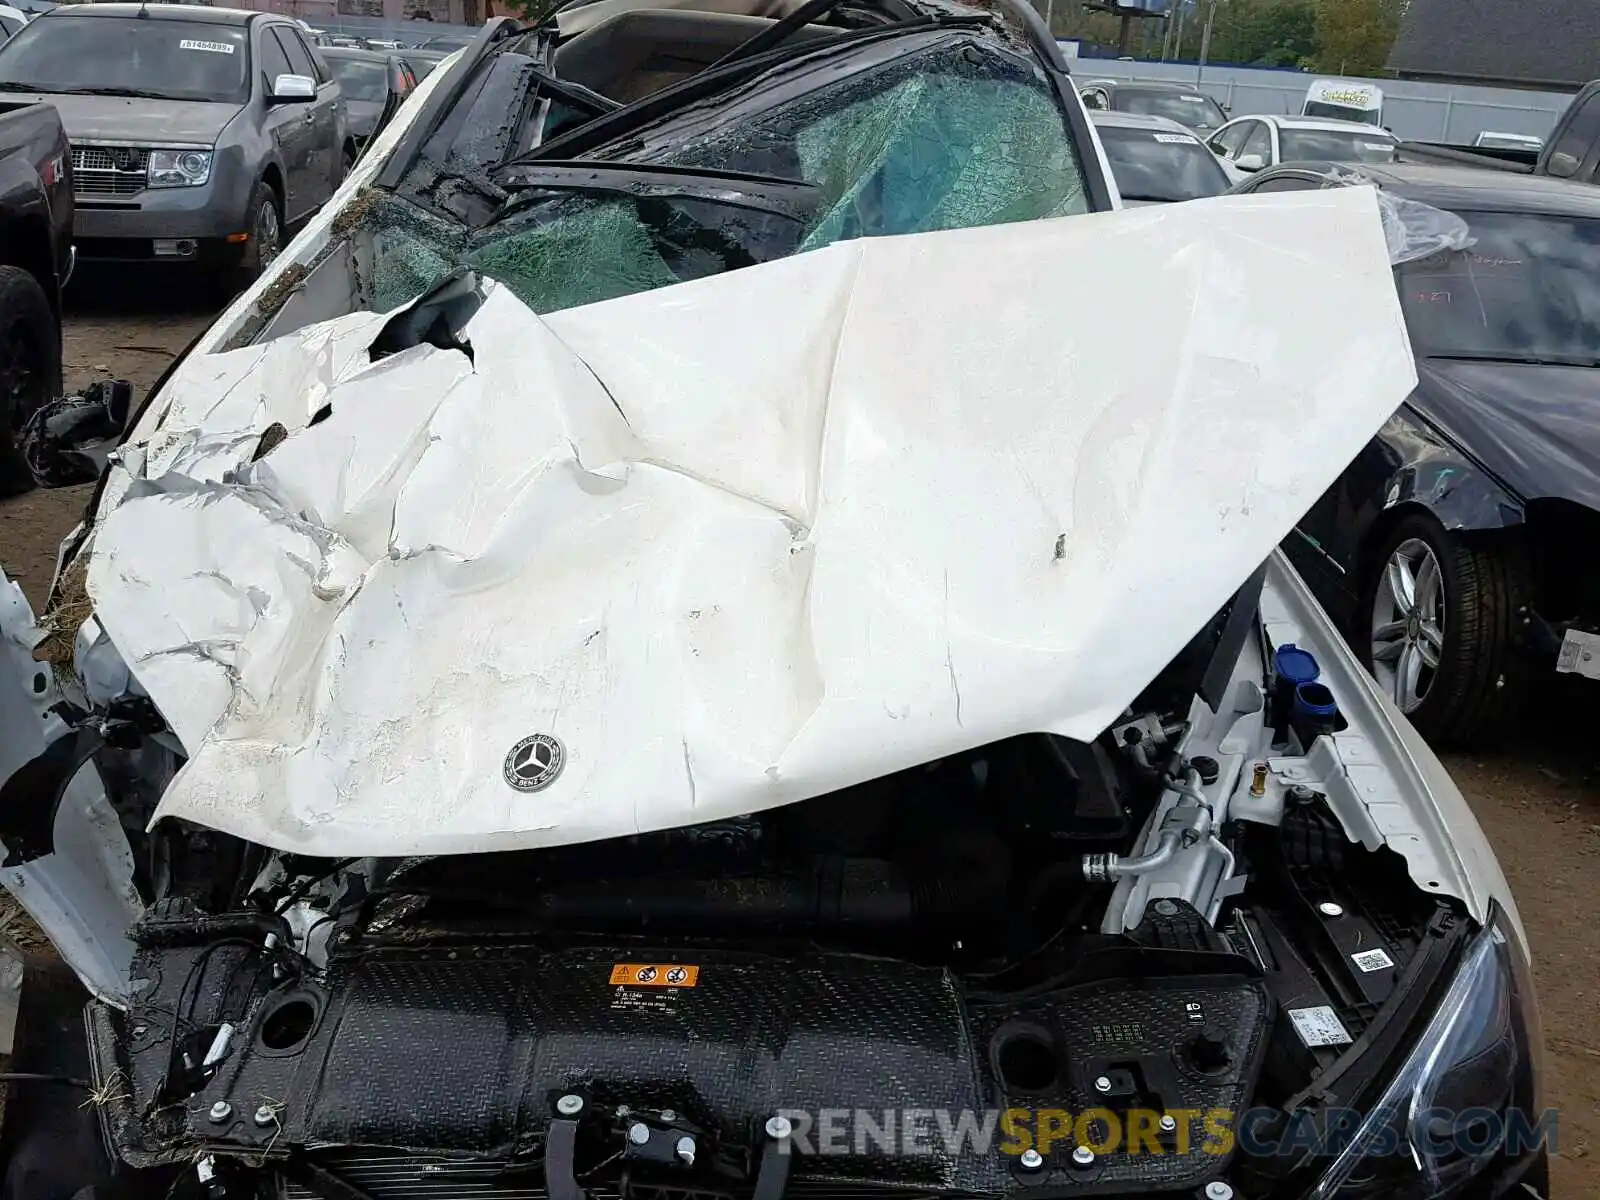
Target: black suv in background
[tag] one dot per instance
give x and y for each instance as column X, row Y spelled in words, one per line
column 36, row 257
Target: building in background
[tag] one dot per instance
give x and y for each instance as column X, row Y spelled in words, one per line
column 1540, row 44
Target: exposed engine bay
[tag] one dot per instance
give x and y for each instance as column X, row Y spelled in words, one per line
column 1163, row 927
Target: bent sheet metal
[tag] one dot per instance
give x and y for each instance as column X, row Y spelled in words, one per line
column 736, row 542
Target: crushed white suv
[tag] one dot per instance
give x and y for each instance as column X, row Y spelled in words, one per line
column 599, row 678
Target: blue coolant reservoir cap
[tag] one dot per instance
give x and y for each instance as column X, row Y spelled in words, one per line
column 1294, row 665
column 1314, row 700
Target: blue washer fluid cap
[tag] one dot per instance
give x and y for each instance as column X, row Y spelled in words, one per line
column 1294, row 665
column 1314, row 700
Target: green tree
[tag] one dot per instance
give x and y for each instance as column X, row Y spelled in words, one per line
column 1265, row 33
column 1354, row 37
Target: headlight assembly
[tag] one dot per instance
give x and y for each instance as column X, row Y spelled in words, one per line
column 178, row 168
column 1464, row 1095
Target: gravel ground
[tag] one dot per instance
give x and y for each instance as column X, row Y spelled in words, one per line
column 1538, row 797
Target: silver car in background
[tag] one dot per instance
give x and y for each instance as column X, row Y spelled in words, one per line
column 198, row 135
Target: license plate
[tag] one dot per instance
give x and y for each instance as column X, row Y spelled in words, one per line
column 1580, row 654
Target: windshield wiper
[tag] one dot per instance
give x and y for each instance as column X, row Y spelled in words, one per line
column 134, row 93
column 1529, row 360
column 794, row 199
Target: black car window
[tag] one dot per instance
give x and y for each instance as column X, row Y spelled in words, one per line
column 1576, row 140
column 1160, row 166
column 309, row 44
column 158, row 58
column 273, row 60
column 362, row 78
column 1526, row 290
column 1259, row 142
column 1186, row 108
column 1336, row 145
column 1230, row 139
column 299, row 56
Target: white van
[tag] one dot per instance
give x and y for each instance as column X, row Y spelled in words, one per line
column 1344, row 100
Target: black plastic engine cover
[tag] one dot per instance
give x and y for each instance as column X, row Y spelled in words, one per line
column 463, row 1051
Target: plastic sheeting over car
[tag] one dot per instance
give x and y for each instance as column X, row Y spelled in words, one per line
column 736, row 542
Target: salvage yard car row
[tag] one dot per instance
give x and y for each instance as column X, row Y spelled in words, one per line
column 199, row 135
column 696, row 604
column 1445, row 549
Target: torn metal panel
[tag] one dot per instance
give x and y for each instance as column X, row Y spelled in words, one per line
column 745, row 540
column 81, row 893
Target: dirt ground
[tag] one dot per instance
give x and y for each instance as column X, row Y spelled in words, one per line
column 1538, row 797
column 119, row 325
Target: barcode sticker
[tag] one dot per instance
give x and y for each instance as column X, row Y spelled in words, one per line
column 1175, row 139
column 1319, row 1026
column 1367, row 961
column 208, row 47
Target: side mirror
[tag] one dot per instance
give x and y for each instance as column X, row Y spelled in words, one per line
column 1250, row 162
column 292, row 89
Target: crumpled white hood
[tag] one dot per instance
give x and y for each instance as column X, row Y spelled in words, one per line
column 738, row 542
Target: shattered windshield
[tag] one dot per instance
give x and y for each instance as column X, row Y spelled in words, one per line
column 944, row 139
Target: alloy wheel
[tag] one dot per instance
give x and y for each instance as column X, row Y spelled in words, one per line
column 1408, row 624
column 269, row 236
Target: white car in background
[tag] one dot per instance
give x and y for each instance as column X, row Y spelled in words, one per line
column 1246, row 145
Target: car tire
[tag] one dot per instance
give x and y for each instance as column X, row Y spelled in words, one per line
column 1452, row 660
column 30, row 368
column 266, row 235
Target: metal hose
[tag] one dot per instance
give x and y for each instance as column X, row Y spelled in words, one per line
column 1103, row 868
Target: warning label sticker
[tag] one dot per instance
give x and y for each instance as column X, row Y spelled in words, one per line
column 1319, row 1026
column 655, row 975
